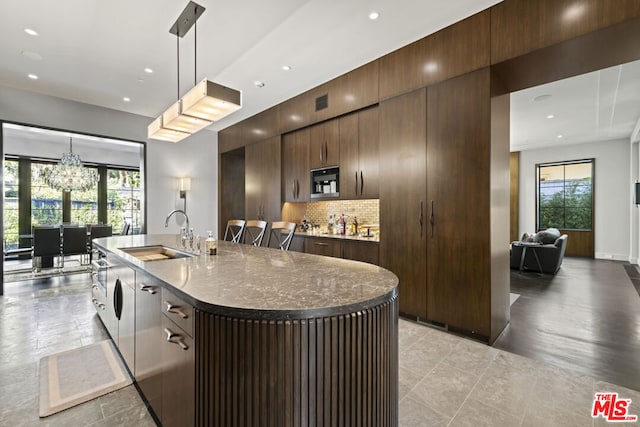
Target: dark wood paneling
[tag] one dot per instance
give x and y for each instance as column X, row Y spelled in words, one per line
column 452, row 51
column 403, row 190
column 349, row 157
column 458, row 190
column 339, row 370
column 594, row 51
column 322, row 246
column 324, row 144
column 514, row 194
column 579, row 243
column 522, row 26
column 253, row 181
column 295, row 166
column 361, row 251
column 231, row 187
column 263, row 180
column 369, row 152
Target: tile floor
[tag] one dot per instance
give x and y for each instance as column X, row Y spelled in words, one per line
column 445, row 380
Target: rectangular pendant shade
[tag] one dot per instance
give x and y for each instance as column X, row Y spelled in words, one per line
column 173, row 119
column 156, row 131
column 211, row 101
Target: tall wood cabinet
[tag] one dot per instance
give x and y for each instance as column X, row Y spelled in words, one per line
column 359, row 155
column 403, row 190
column 295, row 166
column 324, row 145
column 262, row 180
column 458, row 193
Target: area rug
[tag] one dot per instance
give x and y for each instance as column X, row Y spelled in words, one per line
column 513, row 298
column 79, row 375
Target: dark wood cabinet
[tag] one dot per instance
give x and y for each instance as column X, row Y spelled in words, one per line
column 458, row 196
column 263, row 180
column 323, row 246
column 403, row 190
column 359, row 155
column 297, row 243
column 295, row 166
column 148, row 341
column 324, row 145
column 364, row 251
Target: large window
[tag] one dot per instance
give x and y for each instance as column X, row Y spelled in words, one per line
column 84, row 206
column 565, row 195
column 46, row 203
column 123, row 199
column 11, row 204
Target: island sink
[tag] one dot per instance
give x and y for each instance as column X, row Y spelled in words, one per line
column 155, row 253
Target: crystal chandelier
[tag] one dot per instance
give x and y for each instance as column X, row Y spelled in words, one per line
column 69, row 174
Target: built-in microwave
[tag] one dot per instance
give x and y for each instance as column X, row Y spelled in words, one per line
column 325, row 182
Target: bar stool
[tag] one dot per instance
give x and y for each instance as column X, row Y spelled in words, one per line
column 280, row 229
column 255, row 230
column 235, row 228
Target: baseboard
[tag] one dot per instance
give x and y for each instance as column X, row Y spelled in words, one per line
column 613, row 257
column 634, row 261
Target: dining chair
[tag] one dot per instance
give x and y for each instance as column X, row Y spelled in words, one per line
column 97, row 231
column 46, row 246
column 74, row 242
column 254, row 230
column 235, row 228
column 283, row 232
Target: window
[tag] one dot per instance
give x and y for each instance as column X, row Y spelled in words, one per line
column 84, row 206
column 123, row 199
column 46, row 203
column 565, row 195
column 11, row 211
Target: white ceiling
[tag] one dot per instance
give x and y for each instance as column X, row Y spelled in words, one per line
column 95, row 51
column 600, row 106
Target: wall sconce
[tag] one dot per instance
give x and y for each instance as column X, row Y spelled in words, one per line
column 184, row 185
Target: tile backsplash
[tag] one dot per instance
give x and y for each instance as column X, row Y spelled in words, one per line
column 367, row 211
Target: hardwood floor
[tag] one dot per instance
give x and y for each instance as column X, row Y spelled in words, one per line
column 585, row 318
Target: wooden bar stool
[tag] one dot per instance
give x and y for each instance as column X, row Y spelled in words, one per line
column 235, row 228
column 283, row 232
column 254, row 229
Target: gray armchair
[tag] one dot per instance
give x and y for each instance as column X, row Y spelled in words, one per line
column 545, row 258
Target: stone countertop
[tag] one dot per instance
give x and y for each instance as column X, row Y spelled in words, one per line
column 338, row 236
column 246, row 281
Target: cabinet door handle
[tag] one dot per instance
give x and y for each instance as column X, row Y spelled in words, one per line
column 293, row 189
column 175, row 309
column 356, row 183
column 361, row 183
column 147, row 288
column 320, row 150
column 433, row 217
column 297, row 189
column 174, row 338
column 326, row 151
column 420, row 217
column 117, row 299
column 320, row 244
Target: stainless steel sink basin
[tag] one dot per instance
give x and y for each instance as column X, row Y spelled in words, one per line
column 155, row 253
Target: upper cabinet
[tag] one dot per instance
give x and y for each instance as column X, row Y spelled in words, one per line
column 359, row 152
column 295, row 166
column 324, row 145
column 262, row 180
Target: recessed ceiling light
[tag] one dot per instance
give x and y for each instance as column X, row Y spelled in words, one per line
column 560, row 136
column 33, row 77
column 374, row 15
column 32, row 55
column 541, row 98
column 31, row 32
column 148, row 70
column 126, row 99
column 286, row 67
column 258, row 83
column 550, row 116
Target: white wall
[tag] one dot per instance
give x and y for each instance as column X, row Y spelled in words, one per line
column 612, row 192
column 195, row 156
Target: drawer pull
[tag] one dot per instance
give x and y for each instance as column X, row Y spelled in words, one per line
column 175, row 309
column 147, row 288
column 174, row 338
column 101, row 306
column 321, row 244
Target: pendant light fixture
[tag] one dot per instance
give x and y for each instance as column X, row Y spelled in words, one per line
column 202, row 105
column 69, row 174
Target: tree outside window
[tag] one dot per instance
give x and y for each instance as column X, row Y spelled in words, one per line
column 565, row 195
column 11, row 210
column 123, row 199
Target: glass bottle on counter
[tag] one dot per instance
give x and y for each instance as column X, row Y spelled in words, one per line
column 210, row 244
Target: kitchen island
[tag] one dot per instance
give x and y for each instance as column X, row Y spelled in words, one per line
column 254, row 335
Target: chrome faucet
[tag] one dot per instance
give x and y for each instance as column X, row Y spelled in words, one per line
column 184, row 231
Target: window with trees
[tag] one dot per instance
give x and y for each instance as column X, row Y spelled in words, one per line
column 565, row 195
column 11, row 207
column 84, row 206
column 123, row 199
column 46, row 203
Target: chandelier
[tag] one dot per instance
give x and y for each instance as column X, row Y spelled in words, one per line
column 205, row 103
column 69, row 174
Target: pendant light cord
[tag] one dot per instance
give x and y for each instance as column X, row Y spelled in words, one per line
column 178, row 61
column 195, row 45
